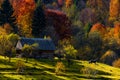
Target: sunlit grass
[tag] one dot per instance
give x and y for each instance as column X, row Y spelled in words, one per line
column 45, row 69
column 113, row 73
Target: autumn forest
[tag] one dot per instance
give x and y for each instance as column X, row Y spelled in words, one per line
column 87, row 30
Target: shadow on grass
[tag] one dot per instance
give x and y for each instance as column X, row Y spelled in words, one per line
column 2, row 77
column 49, row 65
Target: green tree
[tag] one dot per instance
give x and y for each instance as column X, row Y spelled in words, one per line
column 7, row 45
column 6, row 15
column 38, row 22
column 27, row 49
column 13, row 38
column 69, row 51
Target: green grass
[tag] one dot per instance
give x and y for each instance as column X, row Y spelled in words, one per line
column 44, row 69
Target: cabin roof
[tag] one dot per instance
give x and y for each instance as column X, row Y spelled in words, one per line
column 43, row 44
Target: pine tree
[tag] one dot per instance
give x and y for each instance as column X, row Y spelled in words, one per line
column 38, row 22
column 6, row 15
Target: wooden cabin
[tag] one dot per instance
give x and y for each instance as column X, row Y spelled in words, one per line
column 45, row 47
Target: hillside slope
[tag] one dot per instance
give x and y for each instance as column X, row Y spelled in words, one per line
column 45, row 70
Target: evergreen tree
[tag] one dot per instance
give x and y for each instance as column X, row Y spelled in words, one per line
column 38, row 22
column 6, row 15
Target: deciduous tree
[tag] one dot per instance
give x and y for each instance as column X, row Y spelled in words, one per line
column 114, row 10
column 24, row 13
column 27, row 49
column 61, row 23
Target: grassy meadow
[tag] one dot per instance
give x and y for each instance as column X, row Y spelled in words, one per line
column 44, row 69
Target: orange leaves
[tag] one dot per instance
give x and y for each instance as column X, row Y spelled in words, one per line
column 24, row 11
column 28, row 1
column 2, row 31
column 7, row 28
column 114, row 9
column 68, row 3
column 117, row 30
column 98, row 27
column 23, row 7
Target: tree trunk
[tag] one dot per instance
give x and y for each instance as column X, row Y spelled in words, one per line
column 69, row 62
column 9, row 59
column 26, row 60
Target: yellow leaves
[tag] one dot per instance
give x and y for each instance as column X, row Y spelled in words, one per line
column 69, row 49
column 114, row 9
column 116, row 63
column 28, row 48
column 25, row 27
column 13, row 38
column 23, row 9
column 2, row 31
column 59, row 68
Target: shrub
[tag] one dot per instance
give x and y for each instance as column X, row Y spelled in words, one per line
column 109, row 57
column 116, row 63
column 20, row 66
column 89, row 71
column 59, row 68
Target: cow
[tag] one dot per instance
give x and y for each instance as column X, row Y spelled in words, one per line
column 92, row 61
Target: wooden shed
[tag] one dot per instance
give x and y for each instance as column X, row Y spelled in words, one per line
column 45, row 47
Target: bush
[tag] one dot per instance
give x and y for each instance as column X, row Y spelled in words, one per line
column 59, row 68
column 20, row 66
column 109, row 57
column 116, row 63
column 89, row 71
column 84, row 53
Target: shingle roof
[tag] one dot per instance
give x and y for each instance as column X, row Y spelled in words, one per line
column 44, row 44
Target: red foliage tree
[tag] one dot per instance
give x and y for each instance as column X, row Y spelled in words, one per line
column 60, row 2
column 23, row 7
column 61, row 23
